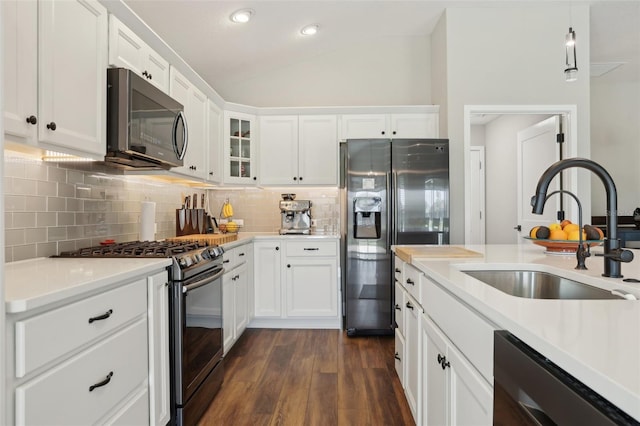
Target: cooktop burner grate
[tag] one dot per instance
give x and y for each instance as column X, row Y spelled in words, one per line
column 135, row 249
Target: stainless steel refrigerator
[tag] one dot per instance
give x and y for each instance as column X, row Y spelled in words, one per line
column 392, row 192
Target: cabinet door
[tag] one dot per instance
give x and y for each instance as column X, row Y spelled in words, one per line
column 126, row 49
column 318, row 150
column 267, row 272
column 72, row 48
column 364, row 126
column 279, row 150
column 399, row 357
column 241, row 307
column 434, row 378
column 157, row 69
column 228, row 311
column 412, row 355
column 214, row 148
column 239, row 149
column 471, row 396
column 405, row 126
column 158, row 322
column 312, row 288
column 20, row 32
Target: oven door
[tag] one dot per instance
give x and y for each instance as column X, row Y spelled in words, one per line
column 197, row 331
column 531, row 390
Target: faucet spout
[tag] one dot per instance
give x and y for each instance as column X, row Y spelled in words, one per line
column 612, row 243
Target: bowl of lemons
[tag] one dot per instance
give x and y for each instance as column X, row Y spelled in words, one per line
column 563, row 237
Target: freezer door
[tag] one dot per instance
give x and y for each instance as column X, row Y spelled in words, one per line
column 367, row 256
column 421, row 188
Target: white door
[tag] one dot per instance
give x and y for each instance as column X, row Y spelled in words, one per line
column 476, row 206
column 267, row 273
column 318, row 150
column 537, row 150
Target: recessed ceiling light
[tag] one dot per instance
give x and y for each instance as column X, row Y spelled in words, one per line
column 309, row 30
column 241, row 16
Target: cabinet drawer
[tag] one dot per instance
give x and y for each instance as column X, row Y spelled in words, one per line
column 135, row 411
column 398, row 267
column 466, row 329
column 412, row 278
column 399, row 307
column 45, row 337
column 311, row 248
column 63, row 394
column 234, row 257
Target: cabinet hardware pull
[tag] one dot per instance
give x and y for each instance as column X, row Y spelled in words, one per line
column 398, row 270
column 409, row 305
column 398, row 308
column 394, row 132
column 396, row 356
column 101, row 317
column 295, row 178
column 32, row 119
column 210, row 173
column 410, row 281
column 445, row 363
column 102, row 383
column 237, row 277
column 277, row 248
column 52, row 126
column 382, row 132
column 300, row 178
column 311, row 248
column 226, row 261
column 145, row 73
column 240, row 254
column 440, row 358
column 288, row 266
column 255, row 178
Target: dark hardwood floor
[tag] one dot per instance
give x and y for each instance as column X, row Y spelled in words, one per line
column 309, row 377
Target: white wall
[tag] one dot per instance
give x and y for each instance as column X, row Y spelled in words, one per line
column 501, row 211
column 385, row 71
column 615, row 139
column 510, row 55
column 478, row 135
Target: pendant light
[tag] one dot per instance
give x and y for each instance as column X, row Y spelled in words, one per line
column 571, row 70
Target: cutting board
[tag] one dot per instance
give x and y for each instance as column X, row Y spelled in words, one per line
column 408, row 253
column 207, row 238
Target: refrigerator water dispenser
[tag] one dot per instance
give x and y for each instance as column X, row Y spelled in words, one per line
column 366, row 223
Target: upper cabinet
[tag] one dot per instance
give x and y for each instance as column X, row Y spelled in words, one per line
column 389, row 126
column 213, row 145
column 298, row 150
column 127, row 50
column 70, row 41
column 239, row 149
column 196, row 111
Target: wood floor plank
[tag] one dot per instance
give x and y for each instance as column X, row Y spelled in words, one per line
column 326, row 351
column 267, row 390
column 383, row 402
column 350, row 417
column 352, row 391
column 322, row 408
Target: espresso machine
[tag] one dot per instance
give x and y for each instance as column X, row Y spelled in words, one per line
column 295, row 215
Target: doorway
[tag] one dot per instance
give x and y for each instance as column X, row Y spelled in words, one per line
column 505, row 197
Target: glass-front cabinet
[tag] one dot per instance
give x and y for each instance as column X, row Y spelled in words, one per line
column 240, row 149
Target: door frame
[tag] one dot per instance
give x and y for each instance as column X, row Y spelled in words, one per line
column 570, row 112
column 481, row 196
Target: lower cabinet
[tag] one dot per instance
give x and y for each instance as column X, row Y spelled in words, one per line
column 159, row 367
column 296, row 283
column 235, row 295
column 453, row 393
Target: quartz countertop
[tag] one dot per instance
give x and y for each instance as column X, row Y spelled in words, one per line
column 596, row 341
column 34, row 283
column 247, row 237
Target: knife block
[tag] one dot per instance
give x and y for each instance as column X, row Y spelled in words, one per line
column 191, row 221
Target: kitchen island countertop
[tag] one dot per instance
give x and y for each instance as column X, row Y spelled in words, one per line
column 596, row 341
column 247, row 237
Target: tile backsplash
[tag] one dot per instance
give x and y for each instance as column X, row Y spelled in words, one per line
column 51, row 208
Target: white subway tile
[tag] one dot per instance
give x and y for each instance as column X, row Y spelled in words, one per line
column 24, row 252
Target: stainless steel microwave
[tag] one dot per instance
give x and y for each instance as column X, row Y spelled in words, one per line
column 146, row 128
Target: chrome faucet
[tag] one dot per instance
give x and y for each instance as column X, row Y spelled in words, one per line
column 613, row 254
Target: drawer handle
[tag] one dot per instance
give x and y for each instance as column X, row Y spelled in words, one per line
column 396, row 356
column 311, row 248
column 398, row 308
column 240, row 254
column 101, row 317
column 225, row 261
column 398, row 270
column 410, row 281
column 409, row 305
column 102, row 383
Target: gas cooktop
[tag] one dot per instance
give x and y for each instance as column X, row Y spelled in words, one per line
column 136, row 249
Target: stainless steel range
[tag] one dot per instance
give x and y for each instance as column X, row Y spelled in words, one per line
column 195, row 298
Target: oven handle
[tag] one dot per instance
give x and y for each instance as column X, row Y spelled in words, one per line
column 204, row 281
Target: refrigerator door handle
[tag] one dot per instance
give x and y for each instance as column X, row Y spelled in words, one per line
column 394, row 210
column 390, row 201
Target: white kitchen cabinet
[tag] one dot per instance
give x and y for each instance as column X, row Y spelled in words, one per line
column 213, row 144
column 72, row 60
column 240, row 150
column 389, row 126
column 298, row 150
column 412, row 355
column 196, row 111
column 127, row 50
column 311, row 286
column 235, row 297
column 454, row 392
column 110, row 365
column 20, row 32
column 399, row 296
column 53, row 49
column 267, row 259
column 159, row 364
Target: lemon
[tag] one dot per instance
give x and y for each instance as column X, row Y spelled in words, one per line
column 558, row 234
column 232, row 227
column 554, row 226
column 571, row 227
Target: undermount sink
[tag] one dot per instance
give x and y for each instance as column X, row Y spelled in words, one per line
column 539, row 285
